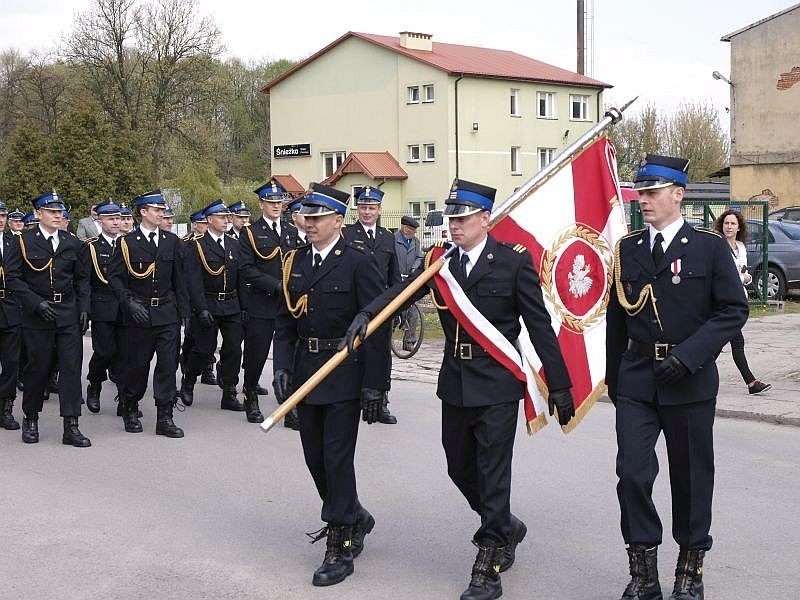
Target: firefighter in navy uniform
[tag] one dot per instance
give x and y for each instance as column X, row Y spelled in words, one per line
column 212, row 267
column 16, row 225
column 55, row 299
column 677, row 300
column 240, row 218
column 263, row 245
column 147, row 277
column 379, row 242
column 10, row 322
column 104, row 311
column 480, row 397
column 325, row 284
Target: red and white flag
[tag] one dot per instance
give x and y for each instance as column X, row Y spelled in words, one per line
column 570, row 225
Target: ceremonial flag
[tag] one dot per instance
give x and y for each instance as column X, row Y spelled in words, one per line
column 570, row 225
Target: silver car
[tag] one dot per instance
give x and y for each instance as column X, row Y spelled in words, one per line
column 783, row 256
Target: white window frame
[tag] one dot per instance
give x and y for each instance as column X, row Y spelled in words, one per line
column 429, row 153
column 581, row 102
column 428, row 93
column 413, row 94
column 548, row 111
column 430, row 205
column 415, row 208
column 515, row 109
column 337, row 157
column 413, row 153
column 516, row 160
column 546, row 156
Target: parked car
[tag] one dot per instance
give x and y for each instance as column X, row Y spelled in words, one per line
column 435, row 228
column 787, row 213
column 783, row 256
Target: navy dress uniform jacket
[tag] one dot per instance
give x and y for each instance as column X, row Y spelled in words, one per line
column 503, row 285
column 699, row 315
column 263, row 278
column 382, row 249
column 166, row 283
column 104, row 303
column 218, row 294
column 70, row 279
column 10, row 263
column 345, row 281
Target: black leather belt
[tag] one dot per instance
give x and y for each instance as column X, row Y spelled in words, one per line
column 222, row 295
column 657, row 351
column 315, row 345
column 60, row 297
column 464, row 351
column 155, row 302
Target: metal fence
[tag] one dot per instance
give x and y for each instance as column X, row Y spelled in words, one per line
column 705, row 212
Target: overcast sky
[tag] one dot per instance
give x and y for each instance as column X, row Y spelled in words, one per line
column 664, row 52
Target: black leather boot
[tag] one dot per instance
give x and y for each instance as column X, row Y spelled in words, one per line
column 30, row 429
column 72, row 435
column 485, row 582
column 93, row 396
column 207, row 376
column 384, row 416
column 7, row 420
column 644, row 583
column 229, row 400
column 338, row 563
column 130, row 417
column 364, row 525
column 508, row 554
column 187, row 389
column 291, row 420
column 689, row 575
column 251, row 407
column 164, row 423
column 261, row 390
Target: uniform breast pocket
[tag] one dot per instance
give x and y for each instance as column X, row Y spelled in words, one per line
column 336, row 293
column 69, row 256
column 630, row 278
column 494, row 295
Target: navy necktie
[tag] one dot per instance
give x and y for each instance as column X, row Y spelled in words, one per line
column 658, row 249
column 464, row 263
column 317, row 260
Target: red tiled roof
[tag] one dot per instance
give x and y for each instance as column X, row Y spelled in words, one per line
column 376, row 165
column 290, row 184
column 467, row 60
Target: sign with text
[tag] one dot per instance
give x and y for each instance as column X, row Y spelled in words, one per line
column 292, row 151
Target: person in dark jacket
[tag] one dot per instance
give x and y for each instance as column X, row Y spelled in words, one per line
column 676, row 301
column 10, row 322
column 480, row 396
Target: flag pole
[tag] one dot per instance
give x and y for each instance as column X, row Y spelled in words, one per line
column 612, row 116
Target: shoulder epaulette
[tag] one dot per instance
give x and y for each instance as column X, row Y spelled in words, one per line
column 518, row 248
column 702, row 229
column 356, row 245
column 633, row 233
column 92, row 240
column 197, row 236
column 441, row 243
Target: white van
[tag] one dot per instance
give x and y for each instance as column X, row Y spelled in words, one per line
column 435, row 228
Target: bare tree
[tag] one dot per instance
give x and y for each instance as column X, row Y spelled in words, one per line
column 694, row 132
column 13, row 71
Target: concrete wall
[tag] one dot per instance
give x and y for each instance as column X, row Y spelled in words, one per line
column 765, row 101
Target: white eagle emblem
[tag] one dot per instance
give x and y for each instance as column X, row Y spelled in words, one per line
column 579, row 280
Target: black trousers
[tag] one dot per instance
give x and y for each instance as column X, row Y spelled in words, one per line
column 139, row 344
column 10, row 340
column 67, row 359
column 205, row 343
column 479, row 445
column 688, row 432
column 328, row 433
column 257, row 341
column 739, row 359
column 105, row 357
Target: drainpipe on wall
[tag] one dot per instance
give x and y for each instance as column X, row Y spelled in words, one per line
column 459, row 78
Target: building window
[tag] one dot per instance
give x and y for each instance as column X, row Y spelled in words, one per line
column 579, row 107
column 330, row 162
column 430, row 205
column 546, row 157
column 546, row 105
column 413, row 153
column 516, row 156
column 413, row 94
column 414, row 209
column 428, row 94
column 515, row 108
column 430, row 152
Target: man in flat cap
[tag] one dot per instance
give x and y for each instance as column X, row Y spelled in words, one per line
column 676, row 301
column 409, row 258
column 480, row 396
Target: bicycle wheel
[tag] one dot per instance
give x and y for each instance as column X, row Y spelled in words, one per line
column 408, row 329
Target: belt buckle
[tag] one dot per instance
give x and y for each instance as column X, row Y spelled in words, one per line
column 2, row 294
column 154, row 302
column 465, row 351
column 221, row 296
column 660, row 351
column 56, row 298
column 313, row 345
